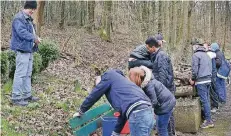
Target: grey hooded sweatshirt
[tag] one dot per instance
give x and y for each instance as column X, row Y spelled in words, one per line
column 201, row 66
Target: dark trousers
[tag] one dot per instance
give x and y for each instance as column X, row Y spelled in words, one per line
column 214, row 96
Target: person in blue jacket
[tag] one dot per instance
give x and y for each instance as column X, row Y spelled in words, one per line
column 162, row 99
column 24, row 42
column 126, row 98
column 223, row 70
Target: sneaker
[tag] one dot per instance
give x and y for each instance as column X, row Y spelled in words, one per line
column 20, row 102
column 214, row 110
column 207, row 124
column 32, row 99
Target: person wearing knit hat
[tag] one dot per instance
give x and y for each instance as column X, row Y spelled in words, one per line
column 223, row 70
column 201, row 78
column 24, row 42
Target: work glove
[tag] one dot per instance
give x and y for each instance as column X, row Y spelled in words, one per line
column 115, row 134
column 77, row 114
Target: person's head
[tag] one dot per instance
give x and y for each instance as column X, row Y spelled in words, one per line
column 136, row 75
column 214, row 46
column 152, row 44
column 196, row 43
column 160, row 38
column 30, row 7
column 207, row 46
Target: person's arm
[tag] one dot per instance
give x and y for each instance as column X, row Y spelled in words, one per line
column 119, row 125
column 22, row 31
column 96, row 94
column 163, row 70
column 149, row 90
column 195, row 67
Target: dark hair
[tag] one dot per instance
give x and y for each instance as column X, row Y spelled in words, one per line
column 30, row 5
column 151, row 41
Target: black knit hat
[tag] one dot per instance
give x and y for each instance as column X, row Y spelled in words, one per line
column 30, row 5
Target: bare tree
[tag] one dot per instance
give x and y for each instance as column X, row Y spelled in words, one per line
column 39, row 16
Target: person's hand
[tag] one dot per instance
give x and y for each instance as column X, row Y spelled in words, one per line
column 77, row 114
column 37, row 41
column 191, row 82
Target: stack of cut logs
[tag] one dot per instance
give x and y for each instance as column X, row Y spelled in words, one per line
column 182, row 75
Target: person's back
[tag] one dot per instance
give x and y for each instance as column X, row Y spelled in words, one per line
column 162, row 69
column 140, row 52
column 126, row 98
column 139, row 56
column 201, row 65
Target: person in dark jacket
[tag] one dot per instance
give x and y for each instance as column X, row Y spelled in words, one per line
column 201, row 78
column 24, row 42
column 221, row 67
column 162, row 99
column 139, row 56
column 214, row 96
column 126, row 98
column 163, row 71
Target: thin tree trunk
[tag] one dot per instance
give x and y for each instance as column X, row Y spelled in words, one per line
column 39, row 16
column 61, row 24
column 160, row 17
column 91, row 9
column 213, row 32
column 226, row 24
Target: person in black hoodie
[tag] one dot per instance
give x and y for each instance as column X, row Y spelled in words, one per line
column 162, row 99
column 126, row 98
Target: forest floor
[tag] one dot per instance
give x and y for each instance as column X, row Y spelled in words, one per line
column 67, row 81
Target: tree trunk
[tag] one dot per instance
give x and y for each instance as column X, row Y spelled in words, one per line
column 213, row 32
column 61, row 23
column 226, row 24
column 38, row 18
column 108, row 7
column 91, row 9
column 160, row 17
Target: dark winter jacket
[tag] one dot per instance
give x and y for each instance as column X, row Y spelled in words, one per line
column 120, row 92
column 22, row 37
column 162, row 99
column 201, row 66
column 162, row 69
column 223, row 68
column 140, row 53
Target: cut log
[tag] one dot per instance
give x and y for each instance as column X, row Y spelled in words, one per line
column 183, row 91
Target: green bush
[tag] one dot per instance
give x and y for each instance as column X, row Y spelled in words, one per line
column 4, row 66
column 49, row 52
column 37, row 63
column 12, row 65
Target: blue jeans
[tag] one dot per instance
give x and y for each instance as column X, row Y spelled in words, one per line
column 162, row 123
column 141, row 122
column 22, row 76
column 203, row 92
column 221, row 89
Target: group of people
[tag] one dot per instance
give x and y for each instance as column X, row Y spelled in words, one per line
column 210, row 69
column 147, row 90
column 145, row 97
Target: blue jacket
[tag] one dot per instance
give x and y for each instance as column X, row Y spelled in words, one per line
column 163, row 70
column 201, row 66
column 120, row 92
column 22, row 37
column 223, row 68
column 162, row 99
